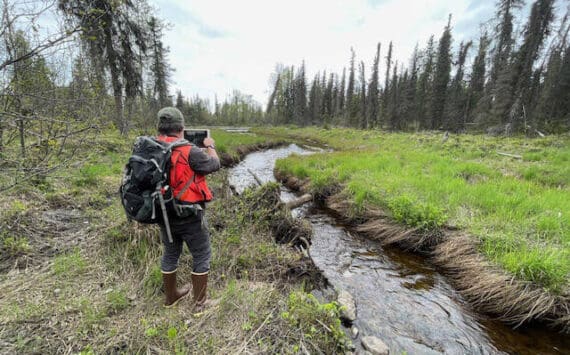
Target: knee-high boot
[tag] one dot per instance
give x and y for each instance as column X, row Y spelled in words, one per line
column 172, row 293
column 200, row 288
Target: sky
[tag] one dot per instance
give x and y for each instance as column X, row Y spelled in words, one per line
column 217, row 46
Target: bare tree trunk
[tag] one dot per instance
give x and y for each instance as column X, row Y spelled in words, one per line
column 115, row 81
column 22, row 137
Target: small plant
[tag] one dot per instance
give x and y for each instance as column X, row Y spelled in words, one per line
column 68, row 264
column 15, row 246
column 319, row 322
column 117, row 301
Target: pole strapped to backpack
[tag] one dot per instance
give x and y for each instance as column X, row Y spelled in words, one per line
column 165, row 216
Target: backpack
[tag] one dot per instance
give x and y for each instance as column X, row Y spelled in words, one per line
column 145, row 185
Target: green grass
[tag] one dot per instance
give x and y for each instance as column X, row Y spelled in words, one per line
column 227, row 142
column 519, row 209
column 70, row 264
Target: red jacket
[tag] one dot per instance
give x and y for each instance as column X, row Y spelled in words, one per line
column 181, row 173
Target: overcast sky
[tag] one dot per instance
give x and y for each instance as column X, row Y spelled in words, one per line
column 217, row 46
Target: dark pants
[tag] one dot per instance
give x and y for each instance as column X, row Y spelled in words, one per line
column 194, row 232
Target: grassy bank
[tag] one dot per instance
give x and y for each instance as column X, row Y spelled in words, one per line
column 77, row 277
column 517, row 210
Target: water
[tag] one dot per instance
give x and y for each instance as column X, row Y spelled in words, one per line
column 400, row 298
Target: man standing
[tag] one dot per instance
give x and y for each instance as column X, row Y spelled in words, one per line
column 189, row 165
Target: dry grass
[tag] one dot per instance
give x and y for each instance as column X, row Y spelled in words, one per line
column 103, row 294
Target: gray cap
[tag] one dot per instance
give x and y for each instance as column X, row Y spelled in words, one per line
column 170, row 115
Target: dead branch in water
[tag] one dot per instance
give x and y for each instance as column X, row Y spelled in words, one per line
column 257, row 179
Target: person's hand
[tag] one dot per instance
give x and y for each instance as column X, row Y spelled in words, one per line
column 208, row 142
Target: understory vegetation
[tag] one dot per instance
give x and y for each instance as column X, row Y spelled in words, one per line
column 511, row 194
column 77, row 277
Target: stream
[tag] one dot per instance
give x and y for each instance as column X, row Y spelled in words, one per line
column 400, row 298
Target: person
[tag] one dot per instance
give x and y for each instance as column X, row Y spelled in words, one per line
column 189, row 165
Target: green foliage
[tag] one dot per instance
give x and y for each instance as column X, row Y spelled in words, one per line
column 70, row 264
column 317, row 321
column 117, row 301
column 91, row 316
column 408, row 211
column 89, row 175
column 426, row 184
column 13, row 245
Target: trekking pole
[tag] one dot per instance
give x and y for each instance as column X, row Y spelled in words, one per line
column 165, row 217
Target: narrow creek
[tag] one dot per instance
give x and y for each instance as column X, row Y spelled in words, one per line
column 400, row 298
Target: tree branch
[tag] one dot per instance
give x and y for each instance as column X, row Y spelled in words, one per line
column 38, row 49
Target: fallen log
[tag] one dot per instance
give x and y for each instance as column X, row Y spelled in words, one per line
column 299, row 201
column 516, row 156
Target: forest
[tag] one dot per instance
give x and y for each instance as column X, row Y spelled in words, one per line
column 461, row 172
column 516, row 83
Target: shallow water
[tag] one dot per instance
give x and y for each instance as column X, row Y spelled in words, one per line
column 399, row 297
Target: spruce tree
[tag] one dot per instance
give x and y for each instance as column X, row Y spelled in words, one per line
column 101, row 22
column 300, row 97
column 273, row 97
column 351, row 106
column 159, row 68
column 456, row 104
column 315, row 101
column 341, row 94
column 536, row 31
column 361, row 97
column 441, row 78
column 386, row 91
column 425, row 86
column 372, row 106
column 477, row 82
column 393, row 102
column 410, row 111
column 501, row 78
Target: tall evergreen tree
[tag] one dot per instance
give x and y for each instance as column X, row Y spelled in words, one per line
column 326, row 106
column 386, row 91
column 101, row 21
column 410, row 109
column 425, row 86
column 272, row 98
column 500, row 82
column 362, row 96
column 341, row 94
column 300, row 109
column 315, row 101
column 159, row 68
column 536, row 31
column 372, row 110
column 441, row 77
column 456, row 104
column 477, row 82
column 351, row 103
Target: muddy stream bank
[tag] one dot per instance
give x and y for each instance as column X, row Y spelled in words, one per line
column 399, row 297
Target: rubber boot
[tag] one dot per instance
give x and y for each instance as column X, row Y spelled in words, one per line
column 200, row 290
column 200, row 287
column 172, row 293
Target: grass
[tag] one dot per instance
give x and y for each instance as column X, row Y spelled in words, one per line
column 519, row 209
column 95, row 285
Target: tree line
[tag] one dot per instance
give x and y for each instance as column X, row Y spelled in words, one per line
column 516, row 82
column 72, row 68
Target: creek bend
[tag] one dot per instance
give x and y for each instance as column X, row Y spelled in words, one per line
column 400, row 298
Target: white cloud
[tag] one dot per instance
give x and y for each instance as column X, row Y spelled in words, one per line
column 218, row 46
